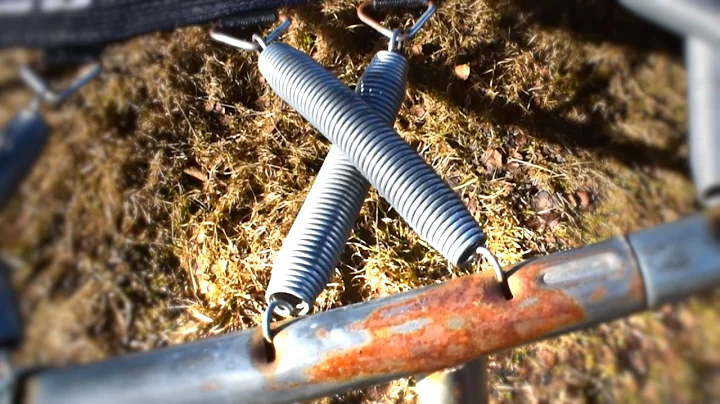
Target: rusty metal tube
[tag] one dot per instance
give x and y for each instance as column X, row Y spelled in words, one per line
column 421, row 331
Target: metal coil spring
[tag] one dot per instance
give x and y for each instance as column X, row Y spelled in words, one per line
column 401, row 176
column 313, row 247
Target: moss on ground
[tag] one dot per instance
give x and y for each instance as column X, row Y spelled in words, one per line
column 170, row 182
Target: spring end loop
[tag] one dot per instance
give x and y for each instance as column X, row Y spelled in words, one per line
column 267, row 321
column 394, row 44
column 257, row 43
column 485, row 253
column 259, row 40
column 404, row 35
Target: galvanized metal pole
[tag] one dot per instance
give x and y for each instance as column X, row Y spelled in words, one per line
column 699, row 22
column 703, row 69
column 692, row 18
column 421, row 331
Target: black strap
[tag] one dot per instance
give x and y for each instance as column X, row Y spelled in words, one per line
column 71, row 56
column 95, row 22
column 256, row 19
column 380, row 4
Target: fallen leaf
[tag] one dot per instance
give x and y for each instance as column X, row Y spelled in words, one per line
column 552, row 220
column 548, row 220
column 582, row 199
column 520, row 140
column 416, row 50
column 462, row 71
column 196, row 173
column 543, row 202
column 547, row 358
column 418, row 111
column 514, row 165
column 536, row 223
column 638, row 362
column 201, row 237
column 572, row 201
column 219, row 267
column 209, row 105
column 472, row 205
column 492, row 159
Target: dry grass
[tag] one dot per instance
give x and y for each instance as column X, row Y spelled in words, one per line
column 171, row 181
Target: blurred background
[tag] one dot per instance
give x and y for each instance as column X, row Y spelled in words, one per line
column 170, row 181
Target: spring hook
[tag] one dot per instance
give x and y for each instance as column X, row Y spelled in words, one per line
column 387, row 161
column 312, row 249
column 371, row 145
column 257, row 43
column 393, row 43
column 43, row 91
column 24, row 138
column 485, row 253
column 404, row 35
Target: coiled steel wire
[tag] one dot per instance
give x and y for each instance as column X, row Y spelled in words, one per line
column 401, row 176
column 312, row 248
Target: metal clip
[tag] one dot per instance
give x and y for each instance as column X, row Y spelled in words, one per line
column 485, row 253
column 267, row 319
column 403, row 36
column 257, row 43
column 44, row 92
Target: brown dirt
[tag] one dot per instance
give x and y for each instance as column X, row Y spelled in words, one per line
column 170, row 182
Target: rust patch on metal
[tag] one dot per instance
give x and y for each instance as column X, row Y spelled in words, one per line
column 211, row 386
column 265, row 359
column 321, row 333
column 262, row 356
column 637, row 285
column 598, row 294
column 490, row 323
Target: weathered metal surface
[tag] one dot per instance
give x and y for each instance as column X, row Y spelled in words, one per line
column 447, row 325
column 420, row 331
column 603, row 277
column 679, row 259
column 702, row 60
column 469, row 317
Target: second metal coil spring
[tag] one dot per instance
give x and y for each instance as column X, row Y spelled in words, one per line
column 312, row 248
column 401, row 176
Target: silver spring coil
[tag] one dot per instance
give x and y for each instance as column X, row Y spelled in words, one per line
column 401, row 176
column 313, row 247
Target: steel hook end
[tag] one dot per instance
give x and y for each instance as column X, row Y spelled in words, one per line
column 43, row 91
column 267, row 320
column 259, row 40
column 490, row 257
column 403, row 36
column 394, row 44
column 254, row 44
